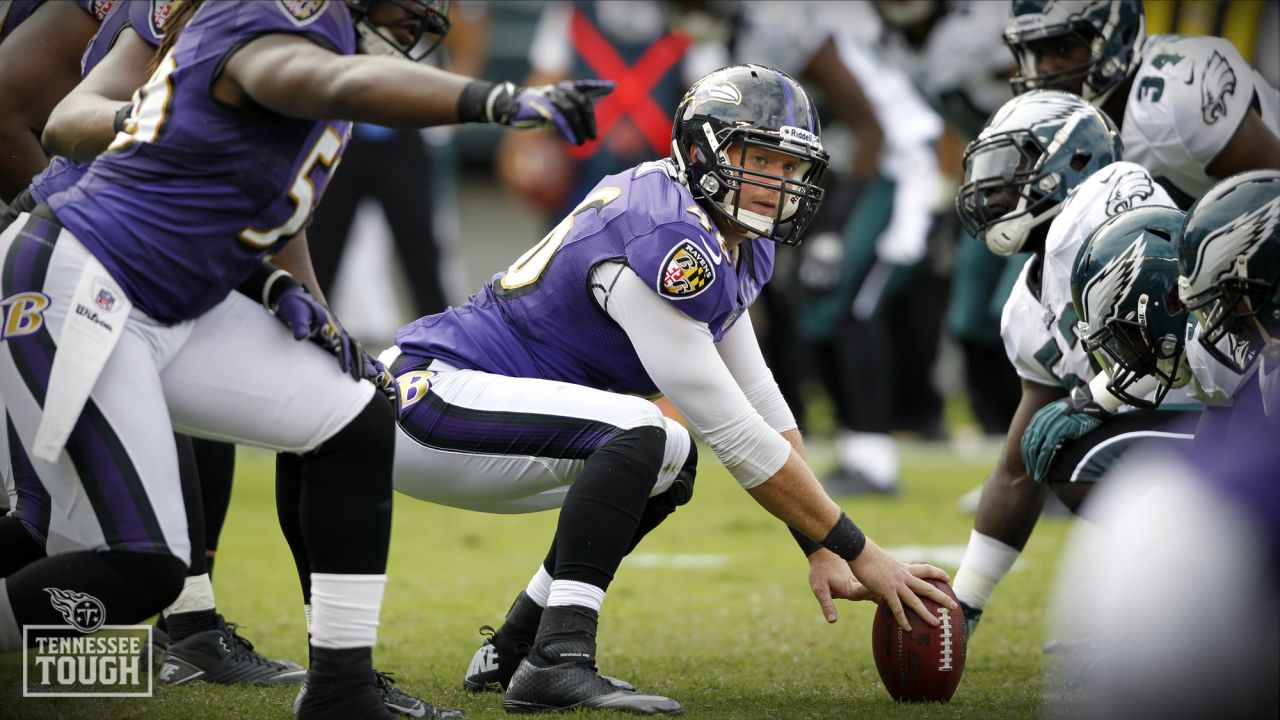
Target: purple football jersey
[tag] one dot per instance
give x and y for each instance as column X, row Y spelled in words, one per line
column 147, row 18
column 16, row 12
column 185, row 206
column 539, row 319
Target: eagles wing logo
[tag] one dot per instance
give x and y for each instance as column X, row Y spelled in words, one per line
column 82, row 611
column 1104, row 291
column 1228, row 249
column 1218, row 82
column 1130, row 188
column 686, row 272
column 302, row 12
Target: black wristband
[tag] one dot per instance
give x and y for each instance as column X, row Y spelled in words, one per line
column 122, row 115
column 807, row 544
column 845, row 539
column 267, row 284
column 471, row 103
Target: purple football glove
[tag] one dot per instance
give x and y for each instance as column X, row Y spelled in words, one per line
column 308, row 319
column 565, row 106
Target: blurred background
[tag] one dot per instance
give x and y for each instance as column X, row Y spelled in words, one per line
column 886, row 285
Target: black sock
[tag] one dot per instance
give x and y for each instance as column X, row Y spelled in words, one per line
column 184, row 625
column 567, row 634
column 217, row 463
column 192, row 502
column 604, row 506
column 288, row 507
column 346, row 664
column 520, row 628
column 345, row 508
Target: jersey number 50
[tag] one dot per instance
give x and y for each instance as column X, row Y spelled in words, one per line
column 524, row 273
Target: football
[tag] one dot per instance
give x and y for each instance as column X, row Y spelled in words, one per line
column 923, row 665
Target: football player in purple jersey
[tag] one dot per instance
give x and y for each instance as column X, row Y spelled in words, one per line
column 26, row 97
column 207, row 648
column 125, row 323
column 531, row 394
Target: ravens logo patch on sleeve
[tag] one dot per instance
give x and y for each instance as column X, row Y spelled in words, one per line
column 302, row 12
column 686, row 272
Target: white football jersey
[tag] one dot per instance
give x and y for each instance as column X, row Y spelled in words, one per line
column 1212, row 383
column 1188, row 98
column 1039, row 331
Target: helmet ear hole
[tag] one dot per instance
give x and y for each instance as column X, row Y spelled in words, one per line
column 1080, row 160
column 1172, row 302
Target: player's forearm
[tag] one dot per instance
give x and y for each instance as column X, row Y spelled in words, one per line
column 794, row 496
column 82, row 127
column 295, row 258
column 21, row 158
column 386, row 91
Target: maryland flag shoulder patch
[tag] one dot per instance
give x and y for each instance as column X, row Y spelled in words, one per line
column 686, row 272
column 302, row 12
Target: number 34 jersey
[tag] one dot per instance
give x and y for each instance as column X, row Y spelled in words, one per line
column 540, row 318
column 1188, row 98
column 190, row 197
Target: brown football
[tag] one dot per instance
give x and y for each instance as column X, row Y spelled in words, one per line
column 925, row 664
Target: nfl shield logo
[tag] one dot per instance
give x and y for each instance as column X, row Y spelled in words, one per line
column 105, row 299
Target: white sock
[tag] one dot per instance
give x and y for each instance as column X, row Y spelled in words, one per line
column 10, row 633
column 539, row 587
column 344, row 610
column 985, row 563
column 196, row 595
column 572, row 592
column 306, row 610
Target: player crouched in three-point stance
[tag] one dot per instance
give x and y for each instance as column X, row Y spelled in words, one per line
column 514, row 401
column 1042, row 176
column 127, row 326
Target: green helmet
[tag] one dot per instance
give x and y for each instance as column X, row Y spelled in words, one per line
column 1113, row 30
column 1124, row 286
column 1229, row 262
column 1033, row 152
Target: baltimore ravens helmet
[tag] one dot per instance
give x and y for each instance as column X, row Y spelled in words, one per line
column 426, row 23
column 726, row 115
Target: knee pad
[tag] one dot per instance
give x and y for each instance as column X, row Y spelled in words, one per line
column 681, row 490
column 679, row 461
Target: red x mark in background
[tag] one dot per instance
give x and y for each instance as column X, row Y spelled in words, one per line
column 631, row 98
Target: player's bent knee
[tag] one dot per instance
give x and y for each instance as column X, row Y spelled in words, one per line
column 149, row 582
column 370, row 434
column 679, row 463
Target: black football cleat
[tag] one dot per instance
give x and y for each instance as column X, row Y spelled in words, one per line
column 221, row 656
column 395, row 700
column 543, row 685
column 491, row 669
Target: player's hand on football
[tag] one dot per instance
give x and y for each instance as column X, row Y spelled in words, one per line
column 899, row 585
column 564, row 106
column 831, row 579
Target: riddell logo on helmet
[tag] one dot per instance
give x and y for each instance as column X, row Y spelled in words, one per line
column 799, row 136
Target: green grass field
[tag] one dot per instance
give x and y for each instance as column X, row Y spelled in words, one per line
column 732, row 632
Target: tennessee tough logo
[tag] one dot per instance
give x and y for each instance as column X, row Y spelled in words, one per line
column 686, row 271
